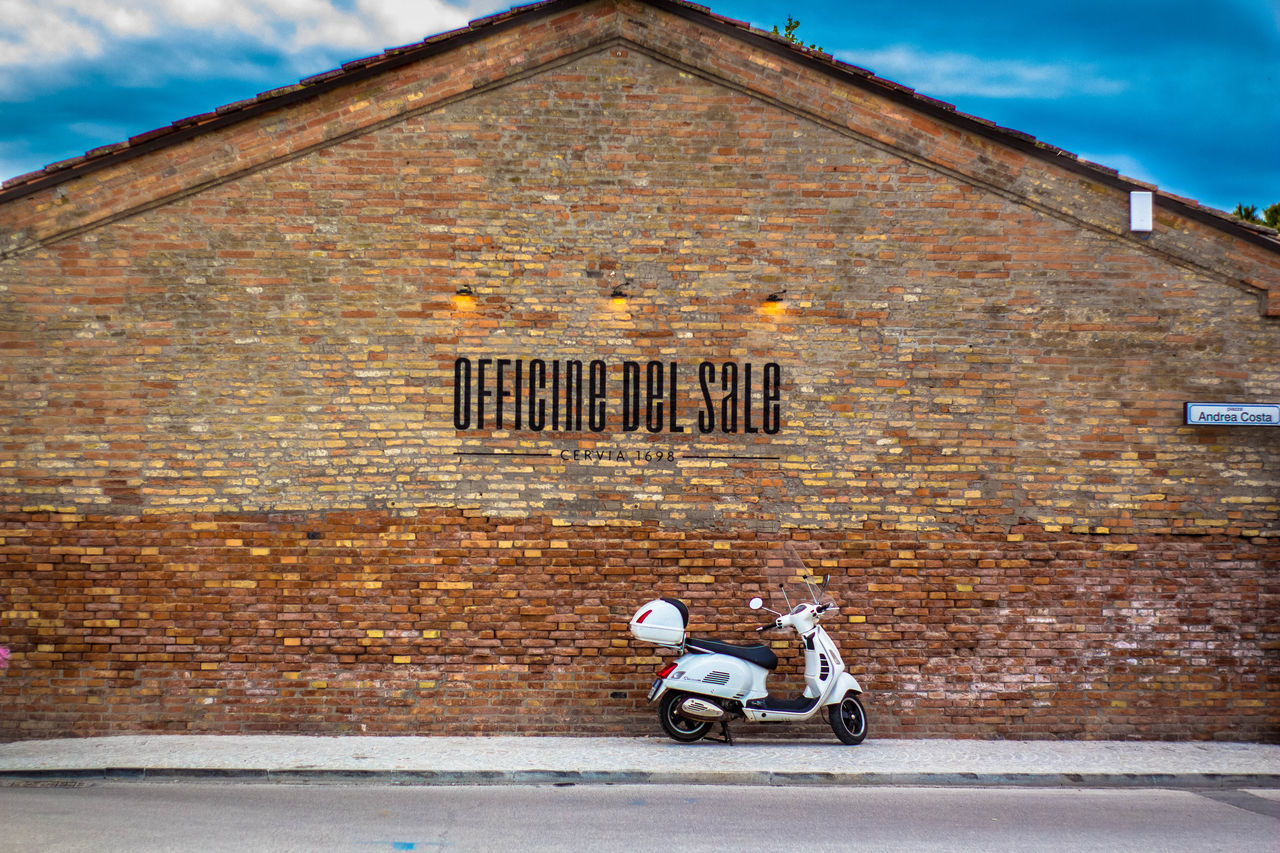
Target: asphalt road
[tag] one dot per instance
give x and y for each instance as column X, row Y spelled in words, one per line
column 185, row 816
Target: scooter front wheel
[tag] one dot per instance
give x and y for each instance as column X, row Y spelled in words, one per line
column 677, row 727
column 849, row 720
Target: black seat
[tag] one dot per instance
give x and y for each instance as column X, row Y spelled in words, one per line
column 758, row 655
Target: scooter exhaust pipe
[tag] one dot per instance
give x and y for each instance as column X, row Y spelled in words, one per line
column 701, row 709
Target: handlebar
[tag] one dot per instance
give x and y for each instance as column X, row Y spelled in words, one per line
column 818, row 609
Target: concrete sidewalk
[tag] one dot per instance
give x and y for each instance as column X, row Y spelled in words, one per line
column 620, row 760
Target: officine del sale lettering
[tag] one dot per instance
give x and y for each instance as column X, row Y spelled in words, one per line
column 572, row 395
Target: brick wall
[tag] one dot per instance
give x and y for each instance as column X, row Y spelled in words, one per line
column 455, row 623
column 249, row 485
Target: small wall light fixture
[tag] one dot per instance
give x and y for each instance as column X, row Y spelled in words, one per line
column 619, row 295
column 464, row 298
column 773, row 305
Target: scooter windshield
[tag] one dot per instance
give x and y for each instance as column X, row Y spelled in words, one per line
column 790, row 583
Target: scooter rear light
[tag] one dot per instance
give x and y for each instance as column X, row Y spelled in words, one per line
column 667, row 670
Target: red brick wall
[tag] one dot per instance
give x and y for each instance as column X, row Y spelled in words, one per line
column 238, row 497
column 287, row 340
column 454, row 623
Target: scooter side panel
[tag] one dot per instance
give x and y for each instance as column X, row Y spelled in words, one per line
column 717, row 675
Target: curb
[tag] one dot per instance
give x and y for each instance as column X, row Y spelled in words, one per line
column 1182, row 781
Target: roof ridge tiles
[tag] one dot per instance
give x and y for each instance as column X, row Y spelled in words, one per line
column 68, row 163
column 496, row 17
column 232, row 107
column 149, row 135
column 321, row 77
column 109, row 148
column 280, row 90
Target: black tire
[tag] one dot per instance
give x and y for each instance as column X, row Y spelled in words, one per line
column 848, row 720
column 677, row 727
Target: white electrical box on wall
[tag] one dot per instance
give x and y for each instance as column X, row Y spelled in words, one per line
column 1139, row 211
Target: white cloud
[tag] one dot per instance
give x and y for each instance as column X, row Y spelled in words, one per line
column 216, row 16
column 35, row 32
column 370, row 26
column 947, row 75
column 51, row 32
column 404, row 21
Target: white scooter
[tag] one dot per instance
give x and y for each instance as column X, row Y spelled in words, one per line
column 715, row 682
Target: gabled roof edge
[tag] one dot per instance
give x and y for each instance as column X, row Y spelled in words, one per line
column 274, row 99
column 392, row 58
column 1024, row 142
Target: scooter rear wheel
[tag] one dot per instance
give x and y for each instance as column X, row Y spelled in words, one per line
column 677, row 727
column 849, row 720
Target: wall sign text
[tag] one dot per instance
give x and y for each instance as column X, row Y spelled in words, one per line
column 594, row 396
column 1232, row 414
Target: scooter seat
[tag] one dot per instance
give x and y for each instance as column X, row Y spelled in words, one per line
column 759, row 655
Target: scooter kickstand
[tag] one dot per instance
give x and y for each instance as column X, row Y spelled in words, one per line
column 724, row 732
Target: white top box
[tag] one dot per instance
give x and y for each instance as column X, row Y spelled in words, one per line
column 661, row 621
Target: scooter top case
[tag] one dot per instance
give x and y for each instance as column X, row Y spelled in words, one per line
column 662, row 621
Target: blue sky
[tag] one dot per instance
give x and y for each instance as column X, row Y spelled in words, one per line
column 1181, row 93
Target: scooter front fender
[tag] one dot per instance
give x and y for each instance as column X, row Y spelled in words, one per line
column 844, row 684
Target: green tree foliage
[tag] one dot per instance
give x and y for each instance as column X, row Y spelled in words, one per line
column 789, row 33
column 1249, row 213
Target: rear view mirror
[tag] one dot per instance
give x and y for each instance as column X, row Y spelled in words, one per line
column 756, row 603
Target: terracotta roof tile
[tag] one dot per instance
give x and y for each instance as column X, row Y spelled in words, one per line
column 321, row 77
column 235, row 106
column 104, row 150
column 68, row 163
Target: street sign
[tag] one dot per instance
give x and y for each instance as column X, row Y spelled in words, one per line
column 1233, row 414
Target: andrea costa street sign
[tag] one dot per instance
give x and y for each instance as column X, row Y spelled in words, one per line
column 1233, row 414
